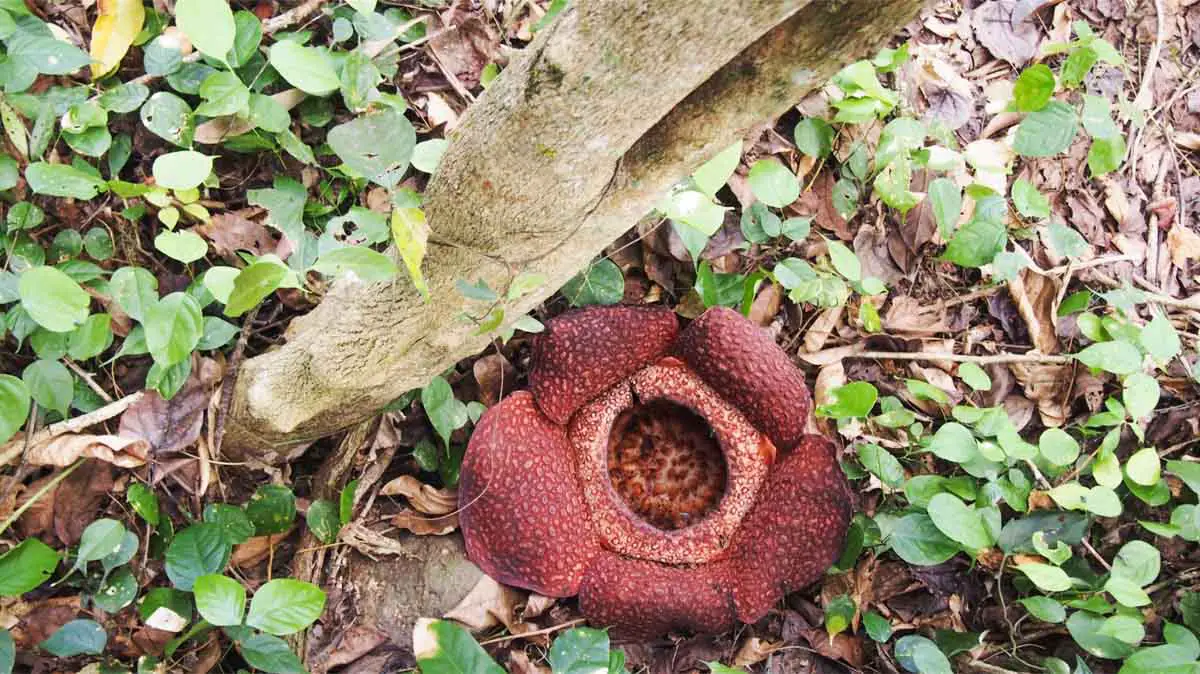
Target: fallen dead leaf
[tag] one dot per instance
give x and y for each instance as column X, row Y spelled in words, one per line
column 64, row 450
column 44, row 619
column 495, row 376
column 1184, row 245
column 754, row 650
column 1036, row 297
column 348, row 646
column 171, row 425
column 519, row 663
column 234, row 231
column 256, row 549
column 766, row 304
column 487, row 605
column 423, row 525
column 218, row 129
column 78, row 498
column 1008, row 35
column 425, row 498
column 1047, row 385
column 909, row 316
column 820, row 330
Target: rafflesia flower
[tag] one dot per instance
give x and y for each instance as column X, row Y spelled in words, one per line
column 664, row 477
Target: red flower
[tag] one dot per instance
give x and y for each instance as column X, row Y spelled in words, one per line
column 664, row 477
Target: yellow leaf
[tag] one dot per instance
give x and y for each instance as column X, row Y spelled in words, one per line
column 117, row 24
column 411, row 233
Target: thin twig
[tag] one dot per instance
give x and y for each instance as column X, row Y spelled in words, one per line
column 964, row 358
column 15, row 448
column 547, row 630
column 291, row 17
column 89, row 379
column 52, row 483
column 1092, row 551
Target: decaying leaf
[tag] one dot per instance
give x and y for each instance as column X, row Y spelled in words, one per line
column 487, row 604
column 348, row 646
column 425, row 525
column 494, row 376
column 411, row 233
column 754, row 650
column 234, row 231
column 1047, row 385
column 910, row 316
column 62, row 451
column 1005, row 32
column 171, row 425
column 425, row 498
column 1036, row 297
column 1184, row 244
column 117, row 24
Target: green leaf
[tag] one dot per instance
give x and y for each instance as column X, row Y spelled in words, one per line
column 223, row 94
column 946, row 198
column 411, row 233
column 877, row 626
column 1085, row 627
column 235, row 525
column 1045, row 609
column 1188, row 471
column 198, row 550
column 1138, row 562
column 975, row 377
column 306, row 68
column 220, row 600
column 600, row 283
column 208, row 24
column 8, row 652
column 78, row 637
column 445, row 412
column 26, row 566
column 441, row 647
column 773, row 183
column 880, row 463
column 1106, row 154
column 976, row 243
column 63, row 180
column 285, row 606
column 714, row 173
column 923, row 390
column 377, row 146
column 323, row 521
column 118, row 590
column 173, row 328
column 954, row 442
column 1047, row 132
column 182, row 170
column 814, row 137
column 270, row 654
column 959, row 521
column 144, row 502
column 921, row 656
column 854, row 400
column 582, row 650
column 14, row 406
column 184, row 246
column 272, row 509
column 1143, row 467
column 917, row 540
column 254, row 284
column 135, row 289
column 427, row 154
column 1117, row 357
column 1140, row 395
column 1058, row 447
column 1159, row 338
column 1033, row 88
column 844, row 261
column 51, row 385
column 1046, row 577
column 363, row 263
column 53, row 299
column 92, row 338
column 169, row 117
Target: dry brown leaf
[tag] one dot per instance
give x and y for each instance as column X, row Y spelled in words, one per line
column 1008, row 35
column 43, row 619
column 820, row 330
column 349, row 645
column 424, row 525
column 1184, row 245
column 234, row 231
column 909, row 316
column 1036, row 297
column 536, row 605
column 495, row 376
column 844, row 647
column 256, row 549
column 439, row 112
column 218, row 129
column 754, row 650
column 487, row 604
column 369, row 542
column 766, row 304
column 171, row 425
column 64, row 450
column 1047, row 385
column 519, row 663
column 466, row 44
column 425, row 498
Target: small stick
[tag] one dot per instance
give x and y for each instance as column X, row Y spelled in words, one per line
column 547, row 630
column 89, row 379
column 965, row 358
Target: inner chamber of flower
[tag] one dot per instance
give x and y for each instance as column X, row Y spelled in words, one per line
column 666, row 464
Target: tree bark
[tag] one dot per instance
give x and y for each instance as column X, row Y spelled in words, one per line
column 579, row 137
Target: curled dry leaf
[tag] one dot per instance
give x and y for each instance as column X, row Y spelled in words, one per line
column 1184, row 245
column 234, row 231
column 519, row 663
column 171, row 425
column 820, row 330
column 487, row 604
column 1047, row 385
column 256, row 549
column 62, row 451
column 43, row 619
column 536, row 605
column 494, row 375
column 1036, row 297
column 425, row 498
column 766, row 304
column 425, row 525
column 754, row 650
column 911, row 317
column 348, row 646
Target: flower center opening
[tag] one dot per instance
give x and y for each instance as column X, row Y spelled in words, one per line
column 666, row 464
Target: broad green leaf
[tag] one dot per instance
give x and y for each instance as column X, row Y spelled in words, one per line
column 946, row 198
column 1047, row 132
column 1140, row 395
column 773, row 183
column 53, row 299
column 582, row 650
column 714, row 173
column 975, row 377
column 1138, row 562
column 1045, row 609
column 853, row 400
column 1058, row 447
column 219, row 599
column 917, row 540
column 814, row 137
column 144, row 502
column 181, row 170
column 100, row 539
column 254, row 284
column 844, row 261
column 1143, row 467
column 51, row 385
column 235, row 525
column 442, row 647
column 224, row 94
column 880, row 463
column 1034, row 88
column 169, row 117
column 272, row 509
column 285, row 606
column 118, row 590
column 198, row 550
column 976, row 243
column 208, row 24
column 323, row 521
column 959, row 521
column 92, row 338
column 1159, row 338
column 1085, row 627
column 1046, row 577
column 954, row 442
column 306, row 68
column 445, row 412
column 135, row 289
column 63, row 180
column 376, row 146
column 14, row 406
column 921, row 656
column 1117, row 357
column 427, row 154
column 26, row 566
column 411, row 233
column 185, row 246
column 173, row 328
column 601, row 283
column 270, row 654
column 360, row 262
column 78, row 637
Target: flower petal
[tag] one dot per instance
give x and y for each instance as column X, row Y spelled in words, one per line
column 582, row 353
column 642, row 599
column 742, row 362
column 795, row 531
column 523, row 516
